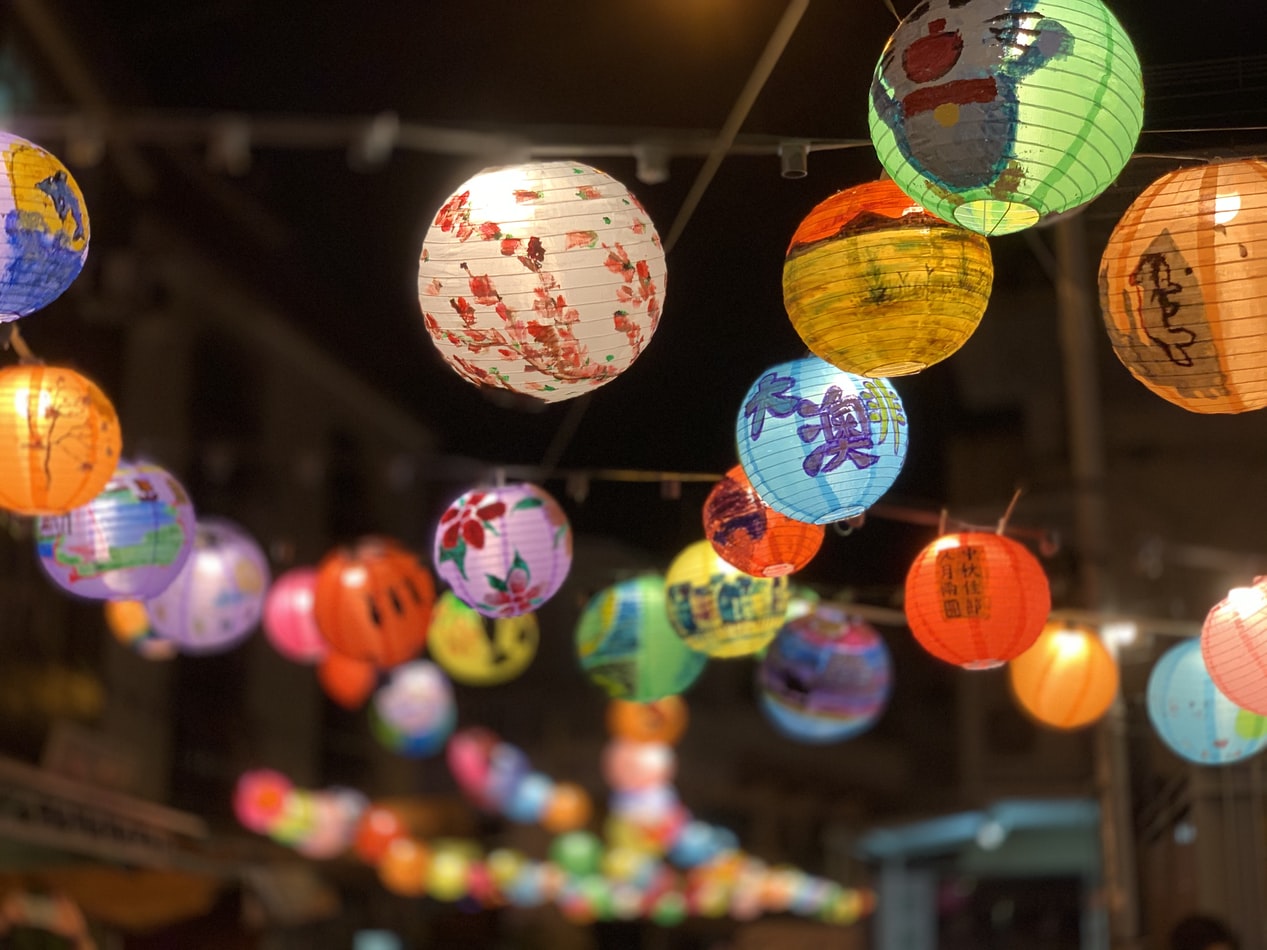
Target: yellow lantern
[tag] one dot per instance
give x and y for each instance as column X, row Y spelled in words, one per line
column 460, row 640
column 1066, row 679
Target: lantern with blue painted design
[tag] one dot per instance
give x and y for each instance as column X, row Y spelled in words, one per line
column 413, row 713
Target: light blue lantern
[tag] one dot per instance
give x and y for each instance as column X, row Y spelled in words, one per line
column 1193, row 718
column 820, row 444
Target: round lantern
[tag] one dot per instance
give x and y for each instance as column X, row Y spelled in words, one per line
column 1066, row 679
column 1183, row 287
column 288, row 621
column 462, row 643
column 216, row 600
column 1234, row 646
column 504, row 551
column 404, row 866
column 627, row 646
column 413, row 713
column 347, row 681
column 751, row 535
column 996, row 114
column 876, row 285
column 45, row 225
column 128, row 542
column 820, row 444
column 59, row 439
column 373, row 602
column 545, row 279
column 1194, row 719
column 976, row 599
column 661, row 720
column 719, row 610
column 259, row 798
column 826, row 677
column 129, row 621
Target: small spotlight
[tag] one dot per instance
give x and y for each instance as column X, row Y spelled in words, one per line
column 372, row 148
column 794, row 159
column 991, row 835
column 653, row 163
column 1118, row 634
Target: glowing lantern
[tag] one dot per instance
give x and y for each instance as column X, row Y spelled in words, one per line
column 130, row 623
column 1234, row 646
column 347, row 681
column 288, row 621
column 460, row 641
column 629, row 766
column 627, row 646
column 661, row 720
column 1193, row 718
column 976, row 599
column 404, row 866
column 719, row 610
column 373, row 602
column 1183, row 287
column 877, row 286
column 259, row 799
column 375, row 830
column 577, row 852
column 216, row 600
column 59, row 439
column 413, row 713
column 1066, row 679
column 504, row 551
column 820, row 444
column 751, row 535
column 545, row 279
column 45, row 226
column 567, row 809
column 996, row 114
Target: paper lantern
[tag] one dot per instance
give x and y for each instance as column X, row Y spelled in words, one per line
column 1067, row 679
column 577, row 852
column 719, row 610
column 288, row 620
column 996, row 114
column 1183, row 287
column 129, row 622
column 661, row 720
column 128, row 542
column 629, row 766
column 46, row 228
column 976, row 599
column 347, row 681
column 627, row 646
column 404, row 866
column 414, row 713
column 373, row 602
column 819, row 444
column 545, row 279
column 59, row 439
column 375, row 830
column 1234, row 646
column 478, row 652
column 216, row 600
column 877, row 286
column 751, row 535
column 504, row 551
column 259, row 798
column 567, row 809
column 1193, row 718
column 826, row 677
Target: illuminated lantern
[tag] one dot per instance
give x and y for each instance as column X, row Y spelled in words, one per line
column 130, row 623
column 661, row 720
column 567, row 809
column 59, row 439
column 1193, row 718
column 1183, row 287
column 877, row 286
column 820, row 444
column 373, row 602
column 259, row 799
column 449, row 870
column 719, row 610
column 1234, row 646
column 1066, row 679
column 46, row 228
column 413, row 713
column 826, row 677
column 577, row 852
column 996, row 114
column 288, row 621
column 527, row 803
column 504, row 551
column 629, row 766
column 347, row 681
column 376, row 829
column 751, row 535
column 545, row 279
column 627, row 646
column 404, row 866
column 127, row 543
column 976, row 599
column 216, row 600
column 460, row 640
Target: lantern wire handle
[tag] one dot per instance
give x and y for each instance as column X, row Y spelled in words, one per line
column 11, row 338
column 889, row 4
column 941, row 523
column 1016, row 496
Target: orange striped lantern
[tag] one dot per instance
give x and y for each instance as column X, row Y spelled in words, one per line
column 751, row 535
column 1234, row 646
column 1183, row 287
column 878, row 286
column 1067, row 679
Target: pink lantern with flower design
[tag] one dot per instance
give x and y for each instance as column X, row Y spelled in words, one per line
column 288, row 621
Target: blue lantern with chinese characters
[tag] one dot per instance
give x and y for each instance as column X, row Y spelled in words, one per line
column 820, row 444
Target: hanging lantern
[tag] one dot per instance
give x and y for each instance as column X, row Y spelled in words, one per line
column 347, row 681
column 413, row 713
column 216, row 600
column 478, row 652
column 1067, row 679
column 288, row 621
column 373, row 602
column 877, row 286
column 45, row 226
column 59, row 439
column 130, row 623
column 996, row 114
column 751, row 535
column 1193, row 718
column 1183, row 287
column 627, row 646
column 820, row 444
column 976, row 599
column 661, row 720
column 544, row 279
column 128, row 542
column 505, row 551
column 1234, row 646
column 404, row 865
column 259, row 798
column 719, row 610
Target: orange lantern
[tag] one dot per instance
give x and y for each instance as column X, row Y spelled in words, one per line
column 404, row 866
column 376, row 830
column 976, row 599
column 1066, row 679
column 59, row 439
column 567, row 809
column 661, row 720
column 751, row 535
column 347, row 681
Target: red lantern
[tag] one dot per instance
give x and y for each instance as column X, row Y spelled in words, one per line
column 1234, row 646
column 751, row 535
column 347, row 681
column 976, row 599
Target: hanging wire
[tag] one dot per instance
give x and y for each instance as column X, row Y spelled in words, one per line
column 1016, row 496
column 11, row 339
column 897, row 16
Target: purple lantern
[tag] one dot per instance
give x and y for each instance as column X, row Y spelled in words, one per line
column 505, row 551
column 128, row 543
column 414, row 713
column 216, row 600
column 288, row 620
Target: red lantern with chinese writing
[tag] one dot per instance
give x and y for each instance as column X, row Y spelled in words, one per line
column 751, row 535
